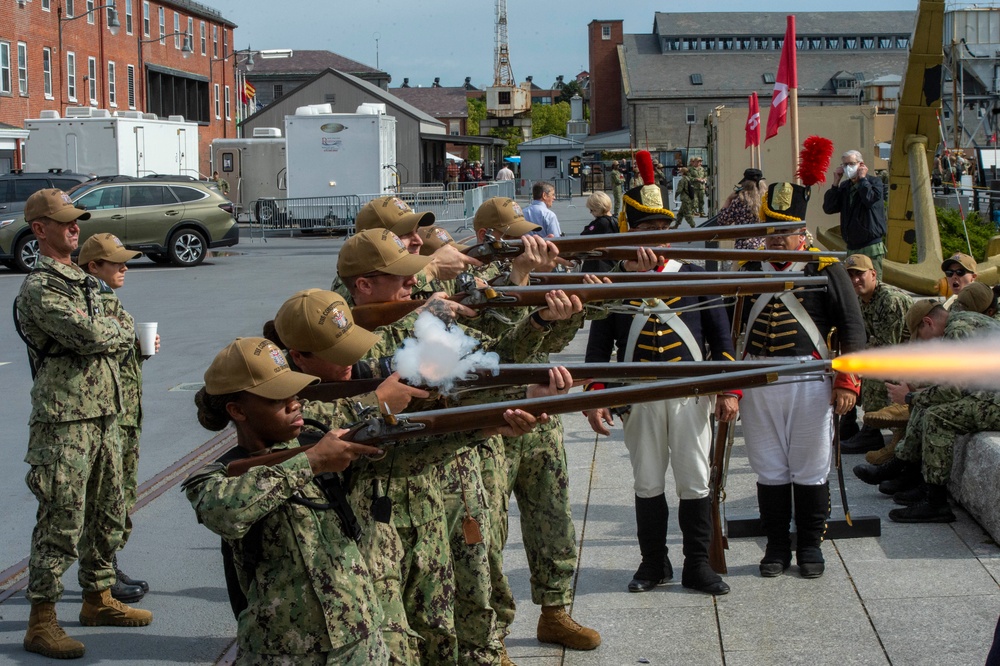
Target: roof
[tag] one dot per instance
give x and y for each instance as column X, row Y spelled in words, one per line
column 651, row 74
column 310, row 62
column 198, row 9
column 749, row 24
column 550, row 140
column 437, row 102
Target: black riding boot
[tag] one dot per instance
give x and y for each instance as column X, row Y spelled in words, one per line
column 651, row 514
column 695, row 518
column 849, row 424
column 812, row 507
column 775, row 503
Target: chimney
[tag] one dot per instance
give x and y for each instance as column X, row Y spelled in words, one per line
column 468, row 83
column 406, row 83
column 437, row 81
column 528, row 78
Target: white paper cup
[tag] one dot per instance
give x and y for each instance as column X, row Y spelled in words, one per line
column 147, row 338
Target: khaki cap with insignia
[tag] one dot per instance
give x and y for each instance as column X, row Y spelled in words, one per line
column 917, row 312
column 256, row 366
column 377, row 250
column 435, row 238
column 503, row 216
column 319, row 322
column 391, row 213
column 859, row 262
column 105, row 247
column 54, row 204
column 963, row 260
column 975, row 297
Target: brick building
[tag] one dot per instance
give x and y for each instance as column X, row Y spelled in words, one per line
column 605, row 98
column 141, row 68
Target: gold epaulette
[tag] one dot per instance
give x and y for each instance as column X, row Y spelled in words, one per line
column 824, row 261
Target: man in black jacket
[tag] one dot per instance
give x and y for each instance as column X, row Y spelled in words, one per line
column 859, row 199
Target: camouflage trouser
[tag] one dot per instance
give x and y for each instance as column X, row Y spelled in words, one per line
column 698, row 201
column 931, row 432
column 538, row 477
column 494, row 466
column 616, row 200
column 75, row 475
column 129, row 436
column 363, row 652
column 873, row 395
column 687, row 210
column 465, row 497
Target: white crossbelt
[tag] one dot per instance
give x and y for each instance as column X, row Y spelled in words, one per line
column 796, row 309
column 666, row 316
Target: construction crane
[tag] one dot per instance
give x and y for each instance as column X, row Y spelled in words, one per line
column 507, row 104
column 503, row 75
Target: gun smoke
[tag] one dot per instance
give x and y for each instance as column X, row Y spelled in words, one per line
column 438, row 355
column 971, row 364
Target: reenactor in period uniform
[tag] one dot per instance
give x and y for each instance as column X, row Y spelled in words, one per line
column 883, row 308
column 938, row 414
column 699, row 179
column 77, row 395
column 789, row 427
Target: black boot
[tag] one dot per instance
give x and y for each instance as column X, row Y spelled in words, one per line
column 912, row 496
column 651, row 514
column 695, row 518
column 876, row 474
column 908, row 479
column 812, row 507
column 126, row 579
column 934, row 509
column 867, row 439
column 849, row 425
column 775, row 504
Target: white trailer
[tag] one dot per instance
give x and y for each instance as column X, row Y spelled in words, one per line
column 128, row 143
column 254, row 167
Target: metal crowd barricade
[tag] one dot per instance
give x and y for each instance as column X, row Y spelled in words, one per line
column 306, row 214
column 564, row 188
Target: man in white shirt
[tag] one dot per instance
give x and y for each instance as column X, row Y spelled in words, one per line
column 505, row 173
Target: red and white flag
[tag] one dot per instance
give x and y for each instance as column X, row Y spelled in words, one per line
column 787, row 79
column 753, row 122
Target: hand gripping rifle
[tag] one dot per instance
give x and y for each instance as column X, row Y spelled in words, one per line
column 572, row 247
column 373, row 315
column 387, row 430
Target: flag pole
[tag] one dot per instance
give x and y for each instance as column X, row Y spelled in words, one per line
column 793, row 102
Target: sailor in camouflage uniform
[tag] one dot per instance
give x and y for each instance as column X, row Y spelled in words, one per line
column 104, row 257
column 883, row 309
column 938, row 414
column 73, row 447
column 309, row 592
column 788, row 427
column 698, row 176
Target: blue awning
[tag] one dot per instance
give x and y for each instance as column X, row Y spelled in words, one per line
column 516, row 159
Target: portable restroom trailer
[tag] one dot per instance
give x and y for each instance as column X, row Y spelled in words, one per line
column 254, row 167
column 128, row 143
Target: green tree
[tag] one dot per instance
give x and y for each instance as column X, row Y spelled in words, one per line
column 570, row 89
column 953, row 234
column 477, row 113
column 513, row 137
column 549, row 119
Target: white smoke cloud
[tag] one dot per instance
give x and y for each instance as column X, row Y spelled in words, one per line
column 439, row 355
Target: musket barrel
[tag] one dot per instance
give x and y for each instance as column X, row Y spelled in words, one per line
column 626, row 253
column 654, row 276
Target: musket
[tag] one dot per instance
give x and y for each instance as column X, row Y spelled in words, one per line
column 628, row 253
column 387, row 430
column 373, row 315
column 651, row 276
column 493, row 249
column 518, row 374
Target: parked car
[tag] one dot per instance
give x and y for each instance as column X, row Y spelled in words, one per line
column 168, row 221
column 17, row 186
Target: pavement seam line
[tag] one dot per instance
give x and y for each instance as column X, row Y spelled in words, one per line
column 857, row 593
column 583, row 530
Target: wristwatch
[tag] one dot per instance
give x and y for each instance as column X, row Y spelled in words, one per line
column 908, row 398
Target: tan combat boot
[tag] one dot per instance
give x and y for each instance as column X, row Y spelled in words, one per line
column 505, row 659
column 556, row 626
column 46, row 637
column 893, row 416
column 100, row 609
column 884, row 454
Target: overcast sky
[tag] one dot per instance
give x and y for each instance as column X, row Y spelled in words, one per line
column 421, row 40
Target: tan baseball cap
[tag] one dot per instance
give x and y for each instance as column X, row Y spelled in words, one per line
column 377, row 250
column 435, row 238
column 319, row 322
column 54, row 204
column 391, row 213
column 503, row 216
column 859, row 262
column 917, row 312
column 975, row 297
column 963, row 260
column 256, row 366
column 105, row 247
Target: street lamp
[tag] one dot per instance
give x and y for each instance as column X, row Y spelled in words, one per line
column 186, row 51
column 113, row 26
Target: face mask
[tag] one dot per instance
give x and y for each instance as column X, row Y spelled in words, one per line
column 850, row 171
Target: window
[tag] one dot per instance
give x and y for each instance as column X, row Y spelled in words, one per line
column 696, row 80
column 726, row 43
column 690, row 115
column 149, row 195
column 768, row 78
column 215, row 41
column 454, row 127
column 902, row 42
column 850, row 42
column 228, row 108
column 217, row 114
column 90, row 11
column 761, row 43
column 70, row 13
column 71, row 75
column 46, row 5
column 833, row 42
column 225, row 42
column 800, row 43
column 128, row 16
column 330, row 98
column 177, row 31
column 867, row 42
column 204, row 39
column 605, row 32
column 102, row 198
column 177, row 95
column 92, row 80
column 190, row 32
column 22, row 68
column 4, row 67
column 815, row 43
column 131, row 86
column 163, row 22
column 112, row 86
column 886, row 42
column 145, row 17
column 279, row 90
column 503, row 97
column 185, row 194
column 551, row 162
column 47, row 72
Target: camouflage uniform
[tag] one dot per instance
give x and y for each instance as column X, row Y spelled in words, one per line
column 309, row 591
column 697, row 188
column 685, row 192
column 885, row 323
column 73, row 446
column 940, row 413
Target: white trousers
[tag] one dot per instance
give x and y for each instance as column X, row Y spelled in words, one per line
column 670, row 431
column 788, row 430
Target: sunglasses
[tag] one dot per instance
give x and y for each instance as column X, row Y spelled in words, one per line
column 952, row 272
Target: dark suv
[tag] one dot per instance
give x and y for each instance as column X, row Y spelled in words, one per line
column 17, row 186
